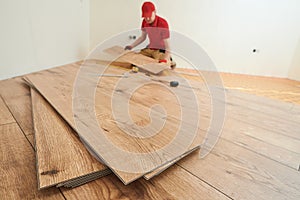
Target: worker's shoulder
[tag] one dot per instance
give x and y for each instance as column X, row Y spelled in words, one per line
column 161, row 20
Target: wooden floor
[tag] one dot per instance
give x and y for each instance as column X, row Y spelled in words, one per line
column 257, row 156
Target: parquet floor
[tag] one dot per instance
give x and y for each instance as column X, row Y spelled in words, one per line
column 257, row 156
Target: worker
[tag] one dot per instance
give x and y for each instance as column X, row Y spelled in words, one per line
column 157, row 29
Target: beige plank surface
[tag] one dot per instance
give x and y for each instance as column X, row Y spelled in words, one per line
column 13, row 87
column 18, row 175
column 16, row 95
column 174, row 183
column 241, row 133
column 139, row 60
column 165, row 167
column 5, row 117
column 243, row 174
column 61, row 80
column 58, row 150
column 271, row 121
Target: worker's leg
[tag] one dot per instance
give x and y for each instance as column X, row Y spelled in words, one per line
column 158, row 55
column 146, row 52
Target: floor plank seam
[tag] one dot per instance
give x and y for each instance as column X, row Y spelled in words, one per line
column 18, row 124
column 62, row 193
column 205, row 182
column 117, row 186
column 277, row 132
column 262, row 154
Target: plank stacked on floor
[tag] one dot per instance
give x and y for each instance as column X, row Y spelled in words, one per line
column 240, row 166
column 62, row 159
column 58, row 92
column 118, row 56
column 107, row 187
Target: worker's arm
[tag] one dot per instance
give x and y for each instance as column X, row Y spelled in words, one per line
column 138, row 41
column 167, row 50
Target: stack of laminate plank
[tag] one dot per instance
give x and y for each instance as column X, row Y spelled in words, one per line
column 71, row 103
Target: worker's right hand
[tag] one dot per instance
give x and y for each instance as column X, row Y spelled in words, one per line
column 129, row 47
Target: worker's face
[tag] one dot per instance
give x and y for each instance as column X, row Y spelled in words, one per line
column 151, row 19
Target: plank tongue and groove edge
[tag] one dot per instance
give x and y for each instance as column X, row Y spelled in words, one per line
column 59, row 153
column 56, row 86
column 145, row 63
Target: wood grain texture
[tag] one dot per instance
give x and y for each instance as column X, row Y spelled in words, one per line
column 61, row 156
column 174, row 183
column 16, row 95
column 60, row 96
column 166, row 166
column 13, row 87
column 244, row 174
column 145, row 63
column 242, row 135
column 5, row 116
column 274, row 121
column 18, row 175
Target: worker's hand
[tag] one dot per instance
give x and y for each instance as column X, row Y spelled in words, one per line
column 128, row 47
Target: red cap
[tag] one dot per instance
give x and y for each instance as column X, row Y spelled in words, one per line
column 147, row 9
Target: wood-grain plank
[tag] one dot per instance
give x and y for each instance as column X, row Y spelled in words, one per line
column 59, row 95
column 145, row 63
column 166, row 166
column 174, row 183
column 183, row 185
column 18, row 175
column 272, row 121
column 61, row 156
column 243, row 174
column 240, row 133
column 16, row 95
column 5, row 117
column 13, row 87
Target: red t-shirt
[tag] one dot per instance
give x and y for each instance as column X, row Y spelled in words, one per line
column 157, row 32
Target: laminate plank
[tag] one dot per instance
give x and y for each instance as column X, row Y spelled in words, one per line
column 183, row 185
column 243, row 174
column 163, row 168
column 263, row 112
column 282, row 122
column 241, row 134
column 139, row 114
column 266, row 105
column 258, row 137
column 13, row 87
column 5, row 116
column 16, row 95
column 174, row 183
column 21, row 110
column 145, row 63
column 267, row 121
column 59, row 95
column 63, row 159
column 18, row 175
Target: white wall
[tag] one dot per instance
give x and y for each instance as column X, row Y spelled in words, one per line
column 38, row 34
column 230, row 29
column 109, row 18
column 294, row 72
column 227, row 29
